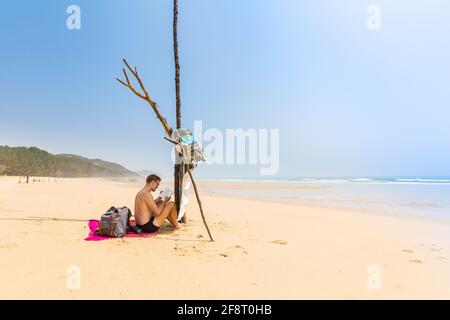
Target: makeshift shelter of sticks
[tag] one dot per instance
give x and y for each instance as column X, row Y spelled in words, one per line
column 179, row 169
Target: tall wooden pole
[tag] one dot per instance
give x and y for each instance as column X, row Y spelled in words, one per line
column 178, row 168
column 177, row 63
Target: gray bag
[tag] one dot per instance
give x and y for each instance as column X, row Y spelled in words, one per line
column 114, row 222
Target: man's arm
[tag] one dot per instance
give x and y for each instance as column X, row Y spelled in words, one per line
column 155, row 209
column 158, row 201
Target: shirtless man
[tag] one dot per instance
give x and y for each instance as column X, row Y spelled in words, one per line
column 150, row 214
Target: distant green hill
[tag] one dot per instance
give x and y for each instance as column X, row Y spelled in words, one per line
column 32, row 161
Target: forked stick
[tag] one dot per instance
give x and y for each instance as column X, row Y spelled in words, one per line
column 145, row 96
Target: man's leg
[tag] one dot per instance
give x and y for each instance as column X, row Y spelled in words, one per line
column 172, row 216
column 170, row 213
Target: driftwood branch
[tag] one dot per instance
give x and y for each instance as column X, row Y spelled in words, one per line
column 170, row 140
column 126, row 76
column 143, row 95
column 200, row 205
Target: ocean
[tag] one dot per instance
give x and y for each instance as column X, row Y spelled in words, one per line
column 418, row 196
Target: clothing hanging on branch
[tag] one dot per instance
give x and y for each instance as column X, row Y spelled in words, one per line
column 187, row 152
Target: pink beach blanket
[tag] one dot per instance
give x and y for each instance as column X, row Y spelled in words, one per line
column 93, row 226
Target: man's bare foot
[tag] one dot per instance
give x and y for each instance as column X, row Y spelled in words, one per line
column 178, row 226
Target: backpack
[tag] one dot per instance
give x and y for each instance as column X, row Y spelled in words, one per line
column 115, row 222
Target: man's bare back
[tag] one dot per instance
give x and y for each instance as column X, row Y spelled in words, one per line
column 142, row 210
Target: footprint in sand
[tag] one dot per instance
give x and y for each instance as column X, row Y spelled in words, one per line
column 223, row 255
column 435, row 249
column 181, row 251
column 408, row 251
column 283, row 242
column 8, row 246
column 120, row 242
column 416, row 261
column 221, row 225
column 238, row 246
column 196, row 249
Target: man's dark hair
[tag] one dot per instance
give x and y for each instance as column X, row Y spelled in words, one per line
column 152, row 177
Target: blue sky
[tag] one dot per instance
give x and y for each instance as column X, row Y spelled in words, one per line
column 348, row 101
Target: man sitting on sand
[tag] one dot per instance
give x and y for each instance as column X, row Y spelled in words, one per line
column 150, row 214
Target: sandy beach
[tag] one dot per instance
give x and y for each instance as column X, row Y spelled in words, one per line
column 263, row 249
